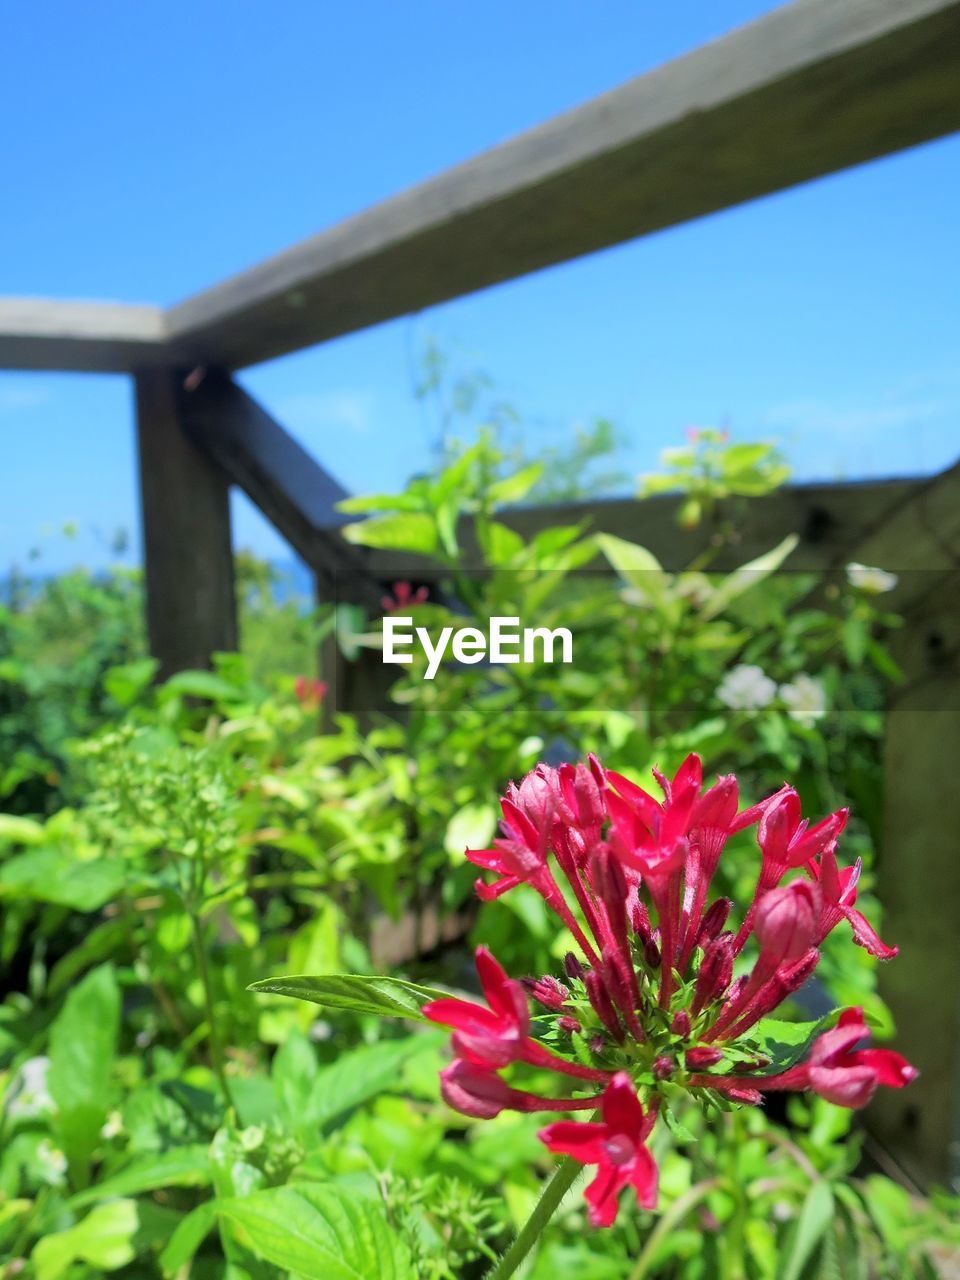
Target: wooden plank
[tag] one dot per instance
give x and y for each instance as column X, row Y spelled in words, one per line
column 288, row 485
column 832, row 520
column 919, row 871
column 811, row 88
column 93, row 337
column 188, row 560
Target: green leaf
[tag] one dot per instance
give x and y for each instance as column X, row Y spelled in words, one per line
column 293, row 1072
column 104, row 1239
column 387, row 997
column 319, row 1233
column 636, row 565
column 741, row 457
column 126, row 683
column 406, row 531
column 816, row 1217
column 747, row 576
column 97, row 946
column 16, row 830
column 83, row 1041
column 188, row 1237
column 516, row 487
column 380, row 502
column 471, row 827
column 199, row 684
column 52, row 875
column 786, row 1043
column 357, row 1076
column 498, row 542
column 186, row 1166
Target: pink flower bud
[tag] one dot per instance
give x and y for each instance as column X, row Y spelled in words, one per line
column 681, row 1024
column 786, row 921
column 474, row 1092
column 599, row 997
column 651, row 954
column 716, row 970
column 572, row 966
column 547, row 991
column 701, row 1057
column 610, row 885
column 582, row 795
column 713, row 920
column 663, row 1067
column 538, row 796
column 568, row 1024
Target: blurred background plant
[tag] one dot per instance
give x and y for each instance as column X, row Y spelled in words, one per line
column 163, row 846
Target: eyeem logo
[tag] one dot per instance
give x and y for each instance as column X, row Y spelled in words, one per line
column 506, row 642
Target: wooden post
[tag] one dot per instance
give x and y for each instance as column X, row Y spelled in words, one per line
column 920, row 888
column 919, row 866
column 188, row 558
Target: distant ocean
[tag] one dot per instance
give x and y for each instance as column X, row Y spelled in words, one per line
column 293, row 581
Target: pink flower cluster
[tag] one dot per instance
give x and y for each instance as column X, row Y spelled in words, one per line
column 653, row 1001
column 403, row 597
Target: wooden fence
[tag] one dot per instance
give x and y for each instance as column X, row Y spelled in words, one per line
column 811, row 88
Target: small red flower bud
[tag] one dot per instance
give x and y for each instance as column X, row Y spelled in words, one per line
column 716, row 970
column 570, row 1025
column 701, row 1057
column 786, row 921
column 713, row 920
column 681, row 1024
column 599, row 997
column 572, row 966
column 651, row 954
column 553, row 995
column 663, row 1067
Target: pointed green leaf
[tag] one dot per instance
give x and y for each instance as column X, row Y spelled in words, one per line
column 635, row 564
column 83, row 1041
column 747, row 576
column 406, row 531
column 387, row 997
column 186, row 1166
column 319, row 1233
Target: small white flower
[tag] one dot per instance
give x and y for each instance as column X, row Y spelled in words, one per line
column 52, row 1162
column 805, row 698
column 874, row 581
column 112, row 1127
column 29, row 1096
column 746, row 688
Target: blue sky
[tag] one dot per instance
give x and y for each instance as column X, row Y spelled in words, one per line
column 160, row 146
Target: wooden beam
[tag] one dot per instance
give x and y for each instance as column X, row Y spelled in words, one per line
column 288, row 485
column 811, row 88
column 188, row 560
column 89, row 337
column 831, row 519
column 919, row 871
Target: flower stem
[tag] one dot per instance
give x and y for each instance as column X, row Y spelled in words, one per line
column 672, row 1218
column 563, row 1179
column 203, row 971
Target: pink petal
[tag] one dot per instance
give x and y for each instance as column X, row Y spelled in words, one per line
column 866, row 936
column 602, row 1193
column 584, row 1142
column 621, row 1107
column 644, row 1178
column 891, row 1069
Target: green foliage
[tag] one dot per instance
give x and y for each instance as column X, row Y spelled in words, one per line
column 168, row 1111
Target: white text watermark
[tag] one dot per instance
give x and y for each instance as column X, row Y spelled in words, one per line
column 505, row 642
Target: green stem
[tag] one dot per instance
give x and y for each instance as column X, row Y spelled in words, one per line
column 216, row 1052
column 672, row 1218
column 563, row 1179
